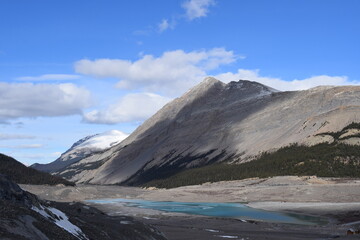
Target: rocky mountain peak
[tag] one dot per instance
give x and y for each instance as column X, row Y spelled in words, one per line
column 214, row 90
column 210, row 81
column 207, row 84
column 247, row 85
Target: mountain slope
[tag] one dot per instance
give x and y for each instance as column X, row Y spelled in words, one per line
column 338, row 156
column 214, row 122
column 20, row 173
column 83, row 148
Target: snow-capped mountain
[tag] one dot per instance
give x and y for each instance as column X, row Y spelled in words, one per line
column 83, row 148
column 100, row 141
column 215, row 122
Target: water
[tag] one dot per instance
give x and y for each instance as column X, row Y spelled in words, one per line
column 229, row 210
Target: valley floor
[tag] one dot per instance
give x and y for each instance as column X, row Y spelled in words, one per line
column 336, row 199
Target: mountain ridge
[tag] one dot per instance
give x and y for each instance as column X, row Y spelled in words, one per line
column 216, row 122
column 20, row 173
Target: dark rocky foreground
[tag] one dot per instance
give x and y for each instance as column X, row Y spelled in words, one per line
column 22, row 217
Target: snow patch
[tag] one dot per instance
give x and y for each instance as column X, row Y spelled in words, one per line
column 103, row 140
column 61, row 220
column 228, row 236
column 126, row 222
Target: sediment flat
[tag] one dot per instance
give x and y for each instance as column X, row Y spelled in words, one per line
column 338, row 200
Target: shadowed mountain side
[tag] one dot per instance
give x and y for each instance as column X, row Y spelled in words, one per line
column 20, row 173
column 214, row 122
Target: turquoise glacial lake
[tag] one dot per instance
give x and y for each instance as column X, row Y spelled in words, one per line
column 227, row 210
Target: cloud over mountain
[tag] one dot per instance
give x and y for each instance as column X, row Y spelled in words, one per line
column 159, row 79
column 132, row 107
column 170, row 74
column 283, row 85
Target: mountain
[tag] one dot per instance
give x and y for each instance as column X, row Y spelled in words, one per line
column 82, row 149
column 216, row 122
column 24, row 216
column 20, row 173
column 338, row 155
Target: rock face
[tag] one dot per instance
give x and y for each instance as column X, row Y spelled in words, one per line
column 24, row 216
column 82, row 149
column 214, row 122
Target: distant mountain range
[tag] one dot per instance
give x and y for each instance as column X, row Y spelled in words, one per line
column 82, row 149
column 216, row 122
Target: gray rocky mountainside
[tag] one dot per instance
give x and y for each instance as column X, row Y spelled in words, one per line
column 215, row 122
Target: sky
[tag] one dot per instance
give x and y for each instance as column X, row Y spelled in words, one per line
column 73, row 68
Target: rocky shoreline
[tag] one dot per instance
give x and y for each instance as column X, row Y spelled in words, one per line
column 177, row 226
column 334, row 199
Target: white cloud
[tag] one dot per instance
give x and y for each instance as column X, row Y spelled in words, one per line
column 171, row 74
column 28, row 157
column 24, row 146
column 55, row 154
column 50, row 77
column 280, row 84
column 143, row 32
column 164, row 25
column 35, row 100
column 197, row 8
column 132, row 107
column 14, row 136
column 193, row 9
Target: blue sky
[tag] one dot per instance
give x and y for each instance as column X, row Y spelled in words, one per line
column 69, row 68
